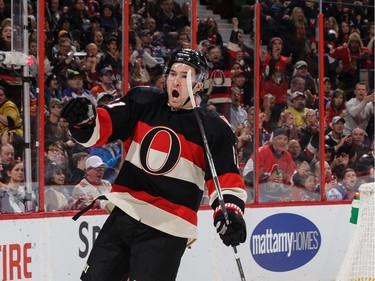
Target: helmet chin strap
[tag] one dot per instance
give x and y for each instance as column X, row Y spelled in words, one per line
column 188, row 98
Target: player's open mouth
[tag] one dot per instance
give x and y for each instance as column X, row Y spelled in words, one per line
column 175, row 94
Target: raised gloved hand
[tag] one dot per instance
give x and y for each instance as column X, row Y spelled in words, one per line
column 235, row 232
column 79, row 112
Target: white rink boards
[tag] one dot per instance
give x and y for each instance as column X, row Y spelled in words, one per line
column 284, row 243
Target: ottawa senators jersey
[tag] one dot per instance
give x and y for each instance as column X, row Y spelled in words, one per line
column 165, row 171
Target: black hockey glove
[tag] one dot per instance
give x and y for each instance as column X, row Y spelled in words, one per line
column 234, row 233
column 79, row 112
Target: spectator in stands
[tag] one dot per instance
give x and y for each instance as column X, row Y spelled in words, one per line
column 140, row 61
column 111, row 58
column 352, row 58
column 239, row 80
column 61, row 35
column 350, row 182
column 183, row 42
column 55, row 152
column 51, row 89
column 64, row 22
column 295, row 150
column 333, row 25
column 365, row 165
column 274, row 80
column 64, row 34
column 90, row 76
column 329, row 155
column 6, row 34
column 269, row 18
column 10, row 118
column 355, row 147
column 343, row 34
column 244, row 49
column 98, row 40
column 92, row 50
column 219, row 80
column 146, row 39
column 327, row 95
column 56, row 195
column 15, row 197
column 55, row 130
column 335, row 138
column 80, row 17
column 245, row 15
column 106, row 83
column 150, row 24
column 276, row 167
column 295, row 33
column 53, row 13
column 4, row 12
column 7, row 155
column 310, row 129
column 271, row 116
column 237, row 113
column 183, row 18
column 75, row 87
column 245, row 134
column 311, row 89
column 305, row 188
column 359, row 109
column 336, row 106
column 108, row 21
column 63, row 61
column 33, row 48
column 241, row 57
column 359, row 146
column 90, row 33
column 333, row 190
column 93, row 185
column 298, row 108
column 370, row 35
column 237, row 38
column 167, row 22
column 286, row 122
column 78, row 168
column 208, row 30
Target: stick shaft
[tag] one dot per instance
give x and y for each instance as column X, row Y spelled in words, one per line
column 217, row 187
column 213, row 169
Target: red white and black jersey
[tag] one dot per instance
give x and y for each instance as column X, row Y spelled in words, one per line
column 221, row 84
column 165, row 171
column 269, row 161
column 350, row 61
column 274, row 80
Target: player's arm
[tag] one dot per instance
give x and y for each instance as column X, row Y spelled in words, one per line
column 222, row 146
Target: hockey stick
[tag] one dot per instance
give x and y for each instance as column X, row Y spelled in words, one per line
column 212, row 168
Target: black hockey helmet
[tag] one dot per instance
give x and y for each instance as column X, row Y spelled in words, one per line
column 190, row 57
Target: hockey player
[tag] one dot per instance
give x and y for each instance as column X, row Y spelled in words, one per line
column 158, row 191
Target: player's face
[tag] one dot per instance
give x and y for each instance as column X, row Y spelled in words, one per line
column 177, row 85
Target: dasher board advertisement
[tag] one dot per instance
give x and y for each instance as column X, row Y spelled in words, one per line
column 283, row 243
